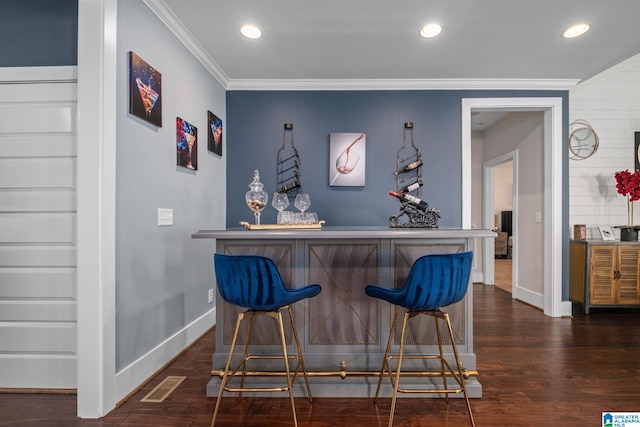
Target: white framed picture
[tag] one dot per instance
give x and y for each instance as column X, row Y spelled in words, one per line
column 347, row 152
column 606, row 233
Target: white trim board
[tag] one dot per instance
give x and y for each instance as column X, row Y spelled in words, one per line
column 146, row 366
column 554, row 306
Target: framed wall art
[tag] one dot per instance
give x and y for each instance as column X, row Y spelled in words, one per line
column 637, row 150
column 347, row 152
column 606, row 233
column 214, row 133
column 145, row 90
column 186, row 144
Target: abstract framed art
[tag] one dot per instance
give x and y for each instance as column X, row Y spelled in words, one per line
column 214, row 133
column 186, row 144
column 145, row 90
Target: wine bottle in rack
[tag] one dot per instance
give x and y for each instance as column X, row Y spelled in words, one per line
column 414, row 201
column 290, row 187
column 411, row 187
column 409, row 167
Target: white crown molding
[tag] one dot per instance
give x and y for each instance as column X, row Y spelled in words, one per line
column 406, row 84
column 63, row 74
column 174, row 25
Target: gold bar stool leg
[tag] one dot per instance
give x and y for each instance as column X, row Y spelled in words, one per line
column 225, row 374
column 278, row 317
column 300, row 358
column 441, row 353
column 459, row 367
column 247, row 344
column 385, row 360
column 396, row 383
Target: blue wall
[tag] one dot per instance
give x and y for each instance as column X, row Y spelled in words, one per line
column 254, row 129
column 38, row 33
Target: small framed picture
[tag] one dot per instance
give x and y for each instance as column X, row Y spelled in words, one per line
column 145, row 88
column 606, row 233
column 214, row 134
column 580, row 232
column 186, row 144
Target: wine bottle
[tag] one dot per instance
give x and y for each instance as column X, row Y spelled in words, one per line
column 409, row 167
column 412, row 200
column 409, row 188
column 290, row 187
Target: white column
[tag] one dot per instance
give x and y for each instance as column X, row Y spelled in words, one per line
column 96, row 139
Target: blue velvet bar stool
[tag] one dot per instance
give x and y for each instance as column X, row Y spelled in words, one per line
column 434, row 281
column 253, row 282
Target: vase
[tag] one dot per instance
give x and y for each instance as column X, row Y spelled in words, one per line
column 628, row 234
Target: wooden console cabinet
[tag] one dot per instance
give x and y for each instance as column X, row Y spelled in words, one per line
column 604, row 273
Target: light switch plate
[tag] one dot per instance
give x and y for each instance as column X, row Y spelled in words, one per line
column 165, row 217
column 538, row 216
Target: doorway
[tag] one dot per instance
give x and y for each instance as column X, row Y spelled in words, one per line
column 500, row 178
column 551, row 216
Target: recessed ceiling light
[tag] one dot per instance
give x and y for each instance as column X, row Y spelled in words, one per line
column 251, row 31
column 576, row 30
column 430, row 30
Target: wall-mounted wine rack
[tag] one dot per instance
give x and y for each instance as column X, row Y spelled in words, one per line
column 288, row 165
column 409, row 180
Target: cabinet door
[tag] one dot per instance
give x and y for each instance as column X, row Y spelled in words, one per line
column 628, row 292
column 601, row 277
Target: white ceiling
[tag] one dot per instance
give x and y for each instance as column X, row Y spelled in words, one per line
column 335, row 40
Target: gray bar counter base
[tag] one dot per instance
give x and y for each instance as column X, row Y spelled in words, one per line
column 342, row 324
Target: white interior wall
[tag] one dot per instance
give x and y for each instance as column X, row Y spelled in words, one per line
column 503, row 188
column 609, row 101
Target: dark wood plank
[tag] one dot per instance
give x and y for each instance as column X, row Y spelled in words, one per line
column 534, row 370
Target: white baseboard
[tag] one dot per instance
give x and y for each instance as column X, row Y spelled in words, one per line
column 139, row 371
column 532, row 298
column 478, row 277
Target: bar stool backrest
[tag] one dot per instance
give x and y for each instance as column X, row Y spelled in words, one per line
column 435, row 281
column 438, row 280
column 253, row 281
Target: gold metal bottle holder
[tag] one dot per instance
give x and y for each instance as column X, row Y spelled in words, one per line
column 288, row 165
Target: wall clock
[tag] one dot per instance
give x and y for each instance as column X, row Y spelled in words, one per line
column 583, row 140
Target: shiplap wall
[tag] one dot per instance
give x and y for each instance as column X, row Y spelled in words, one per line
column 37, row 230
column 609, row 101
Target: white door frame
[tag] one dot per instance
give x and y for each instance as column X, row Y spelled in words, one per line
column 488, row 185
column 552, row 220
column 96, row 172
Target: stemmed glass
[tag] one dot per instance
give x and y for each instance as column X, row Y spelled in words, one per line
column 302, row 202
column 280, row 201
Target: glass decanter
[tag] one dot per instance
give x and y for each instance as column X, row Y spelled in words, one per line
column 256, row 197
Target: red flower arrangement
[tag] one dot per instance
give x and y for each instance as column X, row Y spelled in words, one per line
column 628, row 184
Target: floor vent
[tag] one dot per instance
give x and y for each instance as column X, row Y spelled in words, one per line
column 163, row 390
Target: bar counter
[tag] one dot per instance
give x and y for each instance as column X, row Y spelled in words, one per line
column 343, row 332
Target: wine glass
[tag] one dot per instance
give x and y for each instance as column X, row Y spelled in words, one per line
column 280, row 201
column 302, row 202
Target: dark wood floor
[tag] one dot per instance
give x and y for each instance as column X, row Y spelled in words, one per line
column 535, row 371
